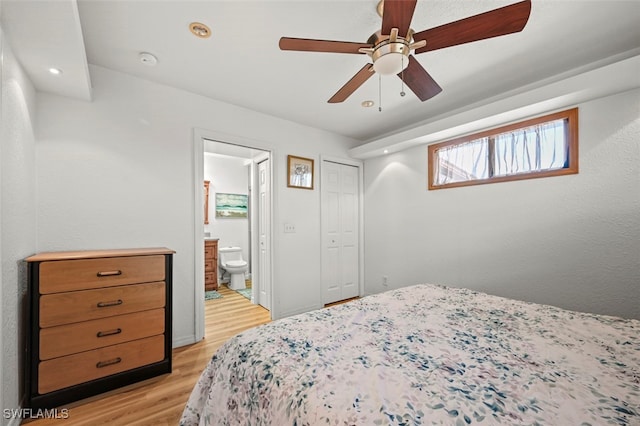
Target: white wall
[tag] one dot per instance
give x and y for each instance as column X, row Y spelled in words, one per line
column 570, row 241
column 17, row 216
column 118, row 172
column 231, row 176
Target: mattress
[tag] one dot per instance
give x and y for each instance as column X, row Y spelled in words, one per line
column 425, row 354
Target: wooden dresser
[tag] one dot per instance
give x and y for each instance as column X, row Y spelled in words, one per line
column 210, row 264
column 98, row 320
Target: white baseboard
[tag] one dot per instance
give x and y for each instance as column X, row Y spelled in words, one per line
column 183, row 341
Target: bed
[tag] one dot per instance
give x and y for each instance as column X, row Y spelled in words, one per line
column 425, row 354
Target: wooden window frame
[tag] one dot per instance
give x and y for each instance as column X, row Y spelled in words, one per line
column 571, row 167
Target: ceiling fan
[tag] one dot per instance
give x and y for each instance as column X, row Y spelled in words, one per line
column 390, row 48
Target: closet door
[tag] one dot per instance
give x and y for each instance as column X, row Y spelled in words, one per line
column 340, row 227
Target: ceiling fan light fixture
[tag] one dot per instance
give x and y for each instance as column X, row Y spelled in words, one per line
column 390, row 64
column 367, row 104
column 391, row 57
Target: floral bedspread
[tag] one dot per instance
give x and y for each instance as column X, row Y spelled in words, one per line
column 423, row 355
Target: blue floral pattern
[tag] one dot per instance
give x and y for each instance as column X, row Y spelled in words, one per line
column 424, row 355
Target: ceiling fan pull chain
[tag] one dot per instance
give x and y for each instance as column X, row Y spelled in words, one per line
column 379, row 93
column 402, row 77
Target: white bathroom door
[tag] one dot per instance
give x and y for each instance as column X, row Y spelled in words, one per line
column 264, row 222
column 340, row 231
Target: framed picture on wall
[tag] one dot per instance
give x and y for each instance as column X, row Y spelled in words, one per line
column 299, row 172
column 231, row 205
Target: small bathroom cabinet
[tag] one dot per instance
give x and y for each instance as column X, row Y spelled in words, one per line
column 210, row 264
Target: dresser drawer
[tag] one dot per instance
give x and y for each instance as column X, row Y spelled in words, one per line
column 82, row 274
column 70, row 370
column 208, row 251
column 77, row 306
column 83, row 336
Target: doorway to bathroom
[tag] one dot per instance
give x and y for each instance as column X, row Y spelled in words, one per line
column 238, row 208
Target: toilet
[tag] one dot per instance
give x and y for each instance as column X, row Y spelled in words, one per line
column 231, row 261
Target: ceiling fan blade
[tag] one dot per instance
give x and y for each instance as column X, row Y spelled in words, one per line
column 419, row 80
column 309, row 45
column 497, row 22
column 356, row 81
column 397, row 14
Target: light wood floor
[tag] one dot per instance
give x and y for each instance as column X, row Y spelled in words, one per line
column 160, row 401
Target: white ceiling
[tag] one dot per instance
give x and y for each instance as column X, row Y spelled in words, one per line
column 241, row 63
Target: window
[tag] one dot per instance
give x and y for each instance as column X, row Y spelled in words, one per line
column 540, row 147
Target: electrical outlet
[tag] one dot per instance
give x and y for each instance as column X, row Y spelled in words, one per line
column 385, row 281
column 289, row 228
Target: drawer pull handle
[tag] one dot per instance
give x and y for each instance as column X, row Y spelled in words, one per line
column 109, row 332
column 109, row 273
column 111, row 303
column 109, row 362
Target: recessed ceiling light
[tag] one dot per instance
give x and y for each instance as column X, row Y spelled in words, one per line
column 55, row 71
column 367, row 104
column 386, row 151
column 200, row 30
column 148, row 59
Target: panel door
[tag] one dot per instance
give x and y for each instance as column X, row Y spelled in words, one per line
column 340, row 232
column 264, row 221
